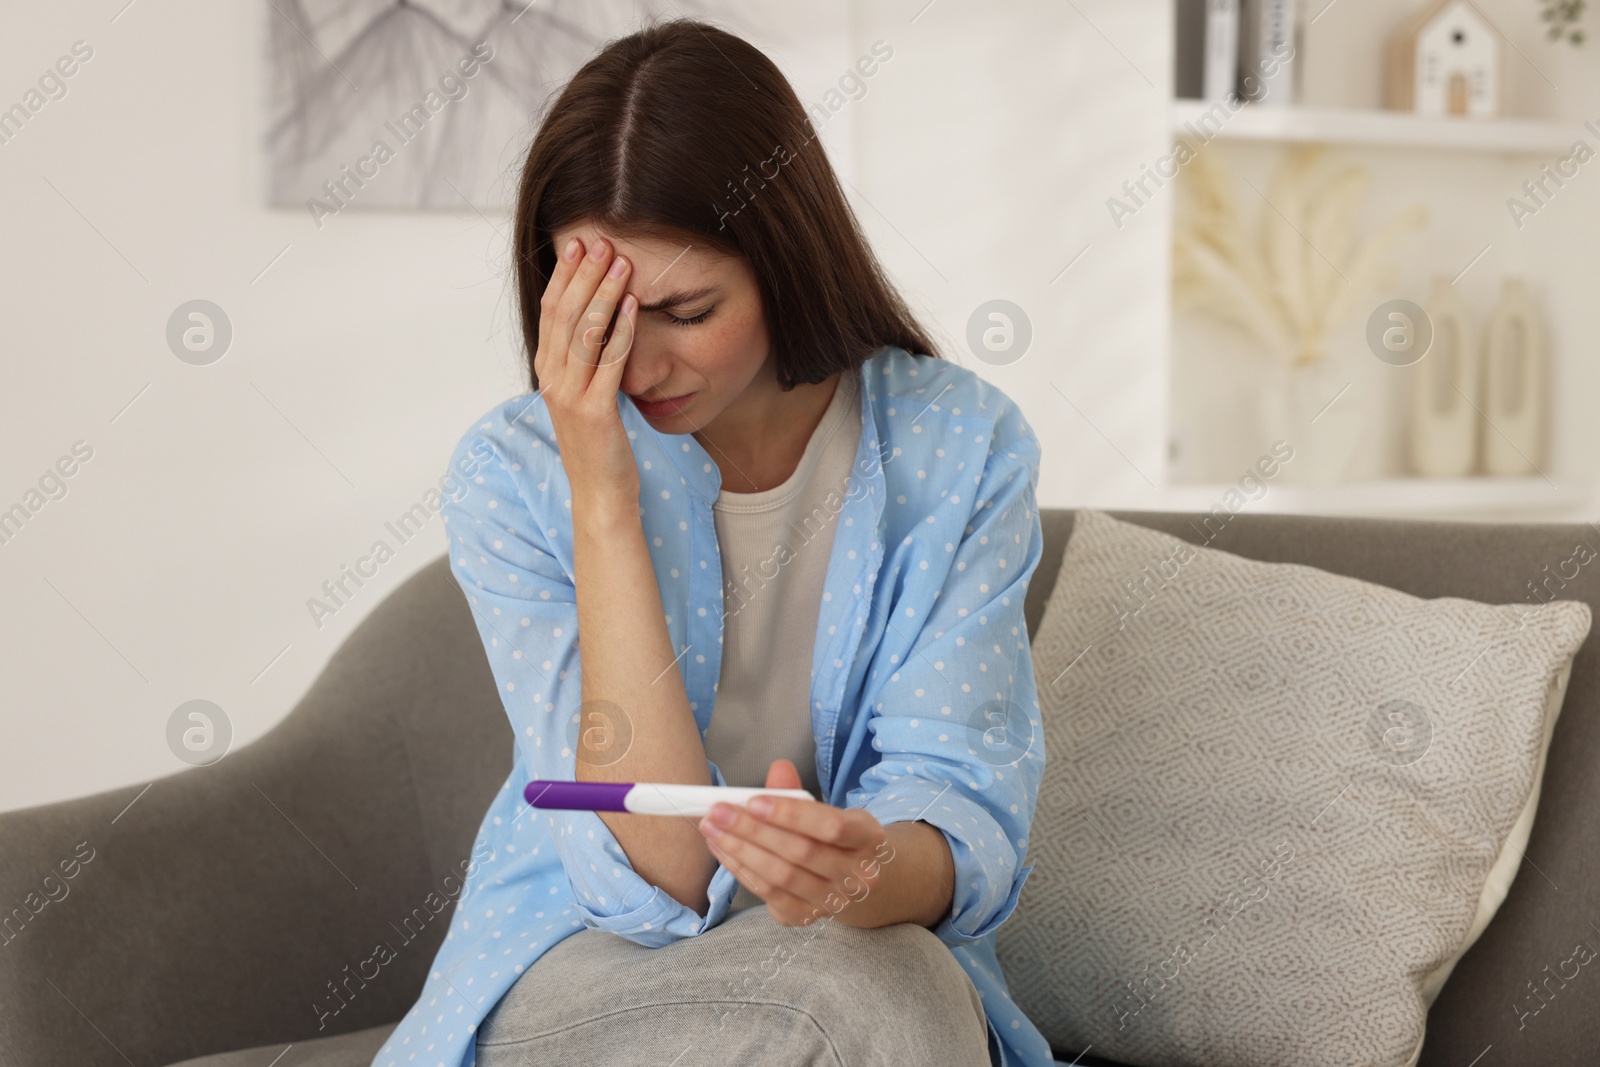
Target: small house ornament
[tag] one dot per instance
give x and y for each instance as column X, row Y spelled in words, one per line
column 1446, row 61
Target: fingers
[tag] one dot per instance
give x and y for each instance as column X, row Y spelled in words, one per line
column 552, row 356
column 764, row 873
column 827, row 849
column 593, row 294
column 780, row 902
column 608, row 374
column 783, row 774
column 847, row 828
column 597, row 316
column 572, row 304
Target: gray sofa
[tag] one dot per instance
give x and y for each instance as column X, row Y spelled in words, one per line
column 218, row 911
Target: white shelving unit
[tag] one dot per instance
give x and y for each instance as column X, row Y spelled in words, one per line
column 1512, row 143
column 1377, row 128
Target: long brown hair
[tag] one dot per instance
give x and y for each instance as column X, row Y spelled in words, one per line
column 686, row 132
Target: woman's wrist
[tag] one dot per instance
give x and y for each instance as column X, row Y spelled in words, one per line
column 917, row 884
column 604, row 513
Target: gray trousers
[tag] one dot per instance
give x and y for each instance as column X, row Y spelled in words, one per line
column 749, row 991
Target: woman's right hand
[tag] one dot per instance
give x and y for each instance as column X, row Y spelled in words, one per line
column 580, row 370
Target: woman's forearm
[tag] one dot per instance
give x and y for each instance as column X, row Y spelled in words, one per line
column 629, row 665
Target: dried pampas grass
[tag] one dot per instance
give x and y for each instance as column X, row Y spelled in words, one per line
column 1298, row 280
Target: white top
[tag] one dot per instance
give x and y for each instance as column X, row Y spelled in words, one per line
column 775, row 547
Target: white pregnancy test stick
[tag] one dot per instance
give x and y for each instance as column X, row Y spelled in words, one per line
column 645, row 798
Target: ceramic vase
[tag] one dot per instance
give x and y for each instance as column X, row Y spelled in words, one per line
column 1307, row 404
column 1444, row 392
column 1514, row 369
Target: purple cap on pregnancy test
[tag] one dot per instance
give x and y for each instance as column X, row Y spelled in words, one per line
column 577, row 796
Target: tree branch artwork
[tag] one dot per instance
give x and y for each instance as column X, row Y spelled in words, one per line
column 423, row 103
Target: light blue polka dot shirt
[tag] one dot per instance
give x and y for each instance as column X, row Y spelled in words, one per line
column 923, row 700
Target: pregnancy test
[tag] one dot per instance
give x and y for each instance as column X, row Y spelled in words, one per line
column 645, row 798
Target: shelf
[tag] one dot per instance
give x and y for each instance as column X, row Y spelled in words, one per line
column 1396, row 497
column 1398, row 128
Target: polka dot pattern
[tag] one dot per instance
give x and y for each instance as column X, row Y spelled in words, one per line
column 920, row 633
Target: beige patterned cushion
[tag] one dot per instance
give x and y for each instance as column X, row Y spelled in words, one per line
column 1275, row 798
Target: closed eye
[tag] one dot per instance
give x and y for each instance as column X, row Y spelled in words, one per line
column 695, row 321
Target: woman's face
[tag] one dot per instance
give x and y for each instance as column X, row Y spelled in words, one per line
column 701, row 333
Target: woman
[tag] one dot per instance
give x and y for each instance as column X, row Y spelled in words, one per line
column 746, row 480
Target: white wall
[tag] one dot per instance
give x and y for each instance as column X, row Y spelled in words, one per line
column 179, row 563
column 987, row 159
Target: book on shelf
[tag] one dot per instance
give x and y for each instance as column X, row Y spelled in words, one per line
column 1206, row 49
column 1221, row 69
column 1188, row 48
column 1269, row 64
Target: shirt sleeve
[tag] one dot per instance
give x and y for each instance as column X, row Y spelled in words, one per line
column 509, row 536
column 958, row 720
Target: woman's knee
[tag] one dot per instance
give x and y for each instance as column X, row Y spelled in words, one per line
column 896, row 985
column 894, row 989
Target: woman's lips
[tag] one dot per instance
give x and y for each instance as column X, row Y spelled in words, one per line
column 661, row 409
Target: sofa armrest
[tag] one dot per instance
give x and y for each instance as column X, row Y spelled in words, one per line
column 242, row 903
